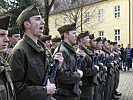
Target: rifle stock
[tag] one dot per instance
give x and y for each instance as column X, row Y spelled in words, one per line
column 75, row 88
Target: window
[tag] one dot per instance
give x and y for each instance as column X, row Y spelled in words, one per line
column 101, row 34
column 56, row 23
column 87, row 15
column 66, row 21
column 101, row 15
column 117, row 11
column 72, row 2
column 117, row 35
column 56, row 6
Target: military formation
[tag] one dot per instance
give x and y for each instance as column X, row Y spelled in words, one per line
column 74, row 67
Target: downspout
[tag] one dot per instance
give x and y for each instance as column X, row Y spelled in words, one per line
column 129, row 23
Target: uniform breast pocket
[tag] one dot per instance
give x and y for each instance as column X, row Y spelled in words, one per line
column 36, row 71
column 2, row 88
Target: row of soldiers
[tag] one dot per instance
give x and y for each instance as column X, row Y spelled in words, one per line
column 81, row 67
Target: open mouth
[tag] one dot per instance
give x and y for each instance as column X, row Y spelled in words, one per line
column 41, row 28
column 4, row 46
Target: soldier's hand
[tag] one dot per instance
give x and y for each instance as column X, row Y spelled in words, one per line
column 81, row 53
column 80, row 72
column 59, row 57
column 97, row 67
column 105, row 68
column 51, row 88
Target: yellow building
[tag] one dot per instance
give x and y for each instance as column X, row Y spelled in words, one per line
column 112, row 19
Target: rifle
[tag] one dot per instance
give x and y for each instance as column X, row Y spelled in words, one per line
column 102, row 67
column 110, row 66
column 46, row 75
column 53, row 72
column 78, row 66
column 94, row 61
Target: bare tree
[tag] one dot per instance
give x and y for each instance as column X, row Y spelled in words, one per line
column 75, row 11
column 46, row 8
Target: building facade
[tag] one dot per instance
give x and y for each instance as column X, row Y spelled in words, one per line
column 112, row 19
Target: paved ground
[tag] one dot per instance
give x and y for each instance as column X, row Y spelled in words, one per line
column 126, row 85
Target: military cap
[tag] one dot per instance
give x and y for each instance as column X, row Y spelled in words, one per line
column 98, row 39
column 114, row 43
column 109, row 41
column 91, row 36
column 27, row 13
column 66, row 28
column 44, row 38
column 4, row 21
column 56, row 39
column 13, row 30
column 103, row 40
column 82, row 34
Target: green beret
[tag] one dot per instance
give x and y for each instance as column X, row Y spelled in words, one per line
column 82, row 34
column 56, row 39
column 27, row 13
column 44, row 38
column 66, row 28
column 13, row 30
column 98, row 39
column 91, row 36
column 4, row 21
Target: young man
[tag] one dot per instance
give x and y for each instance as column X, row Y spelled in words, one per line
column 68, row 75
column 46, row 40
column 28, row 59
column 6, row 85
column 14, row 37
column 87, row 67
column 55, row 43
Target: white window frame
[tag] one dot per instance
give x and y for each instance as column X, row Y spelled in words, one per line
column 101, row 15
column 66, row 21
column 117, row 11
column 87, row 17
column 117, row 35
column 56, row 23
column 101, row 34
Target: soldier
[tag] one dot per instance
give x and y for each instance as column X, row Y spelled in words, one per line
column 6, row 85
column 55, row 43
column 14, row 37
column 28, row 59
column 68, row 76
column 87, row 67
column 46, row 40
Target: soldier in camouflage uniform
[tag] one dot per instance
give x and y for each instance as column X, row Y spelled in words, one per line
column 6, row 86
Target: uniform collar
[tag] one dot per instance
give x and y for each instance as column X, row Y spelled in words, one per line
column 39, row 47
column 69, row 47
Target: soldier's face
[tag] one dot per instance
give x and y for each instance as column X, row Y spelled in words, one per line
column 72, row 37
column 93, row 43
column 48, row 44
column 86, row 41
column 3, row 40
column 99, row 45
column 36, row 25
column 14, row 38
